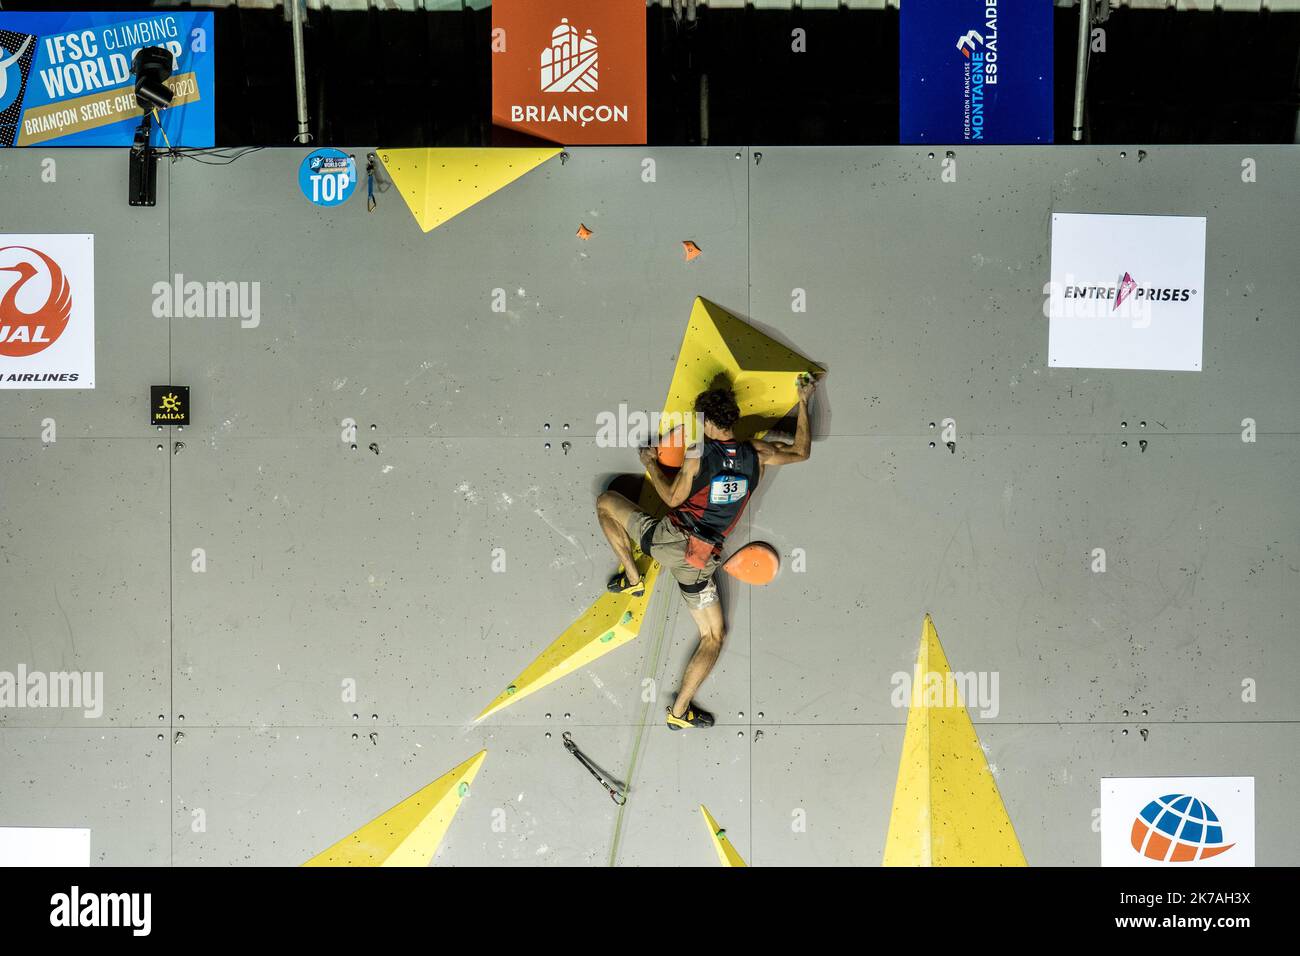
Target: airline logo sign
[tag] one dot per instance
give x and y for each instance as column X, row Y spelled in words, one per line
column 1178, row 821
column 975, row 71
column 1126, row 292
column 47, row 311
column 570, row 72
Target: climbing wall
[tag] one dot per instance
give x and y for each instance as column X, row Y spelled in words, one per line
column 298, row 622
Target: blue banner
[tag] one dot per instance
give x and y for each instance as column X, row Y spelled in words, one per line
column 65, row 78
column 975, row 71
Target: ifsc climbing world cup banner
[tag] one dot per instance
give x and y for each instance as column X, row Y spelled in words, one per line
column 570, row 71
column 65, row 78
column 975, row 71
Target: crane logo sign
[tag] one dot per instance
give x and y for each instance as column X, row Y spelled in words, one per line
column 23, row 332
column 47, row 337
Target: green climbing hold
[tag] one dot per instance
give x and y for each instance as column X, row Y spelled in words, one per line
column 627, row 616
column 607, row 638
column 721, row 834
column 511, row 689
column 463, row 788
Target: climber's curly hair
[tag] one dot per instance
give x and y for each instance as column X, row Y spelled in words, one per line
column 718, row 405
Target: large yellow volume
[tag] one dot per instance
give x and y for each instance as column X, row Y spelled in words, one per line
column 410, row 833
column 727, row 854
column 611, row 622
column 720, row 349
column 947, row 808
column 438, row 184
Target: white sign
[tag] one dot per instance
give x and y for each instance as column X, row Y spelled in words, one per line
column 1126, row 292
column 1178, row 821
column 44, row 846
column 47, row 311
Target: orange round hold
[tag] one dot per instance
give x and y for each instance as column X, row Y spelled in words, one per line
column 755, row 563
column 672, row 449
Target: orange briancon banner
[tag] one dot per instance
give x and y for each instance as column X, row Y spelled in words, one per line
column 570, row 71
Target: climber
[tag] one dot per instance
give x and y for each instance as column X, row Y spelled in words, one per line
column 705, row 500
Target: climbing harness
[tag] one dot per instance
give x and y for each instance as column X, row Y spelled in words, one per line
column 616, row 793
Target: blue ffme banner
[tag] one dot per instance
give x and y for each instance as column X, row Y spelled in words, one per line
column 975, row 71
column 65, row 78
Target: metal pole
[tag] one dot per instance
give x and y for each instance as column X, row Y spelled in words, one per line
column 300, row 72
column 1081, row 67
column 704, row 109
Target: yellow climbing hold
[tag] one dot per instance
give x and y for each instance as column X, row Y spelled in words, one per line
column 947, row 808
column 410, row 833
column 611, row 622
column 727, row 854
column 438, row 184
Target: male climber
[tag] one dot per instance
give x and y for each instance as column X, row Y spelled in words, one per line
column 705, row 500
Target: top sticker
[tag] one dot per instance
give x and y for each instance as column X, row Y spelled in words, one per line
column 328, row 176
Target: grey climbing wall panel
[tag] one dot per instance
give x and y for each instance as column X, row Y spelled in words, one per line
column 225, row 736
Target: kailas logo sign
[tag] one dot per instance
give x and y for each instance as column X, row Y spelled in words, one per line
column 975, row 71
column 47, row 311
column 1178, row 828
column 1178, row 821
column 570, row 72
column 571, row 63
column 1126, row 292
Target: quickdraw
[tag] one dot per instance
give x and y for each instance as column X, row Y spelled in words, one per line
column 617, row 791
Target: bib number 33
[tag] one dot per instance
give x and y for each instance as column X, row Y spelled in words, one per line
column 728, row 489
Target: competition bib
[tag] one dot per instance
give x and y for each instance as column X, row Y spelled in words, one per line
column 728, row 489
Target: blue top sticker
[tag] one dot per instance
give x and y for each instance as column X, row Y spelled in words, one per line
column 328, row 176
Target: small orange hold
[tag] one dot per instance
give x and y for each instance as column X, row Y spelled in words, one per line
column 755, row 563
column 692, row 250
column 672, row 448
column 583, row 232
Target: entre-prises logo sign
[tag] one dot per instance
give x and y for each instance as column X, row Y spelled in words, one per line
column 53, row 690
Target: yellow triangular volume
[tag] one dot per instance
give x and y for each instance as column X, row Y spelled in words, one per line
column 947, row 808
column 410, row 833
column 719, row 349
column 438, row 184
column 727, row 854
column 763, row 372
column 611, row 622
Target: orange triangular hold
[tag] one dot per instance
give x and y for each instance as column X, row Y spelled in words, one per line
column 755, row 563
column 583, row 232
column 692, row 250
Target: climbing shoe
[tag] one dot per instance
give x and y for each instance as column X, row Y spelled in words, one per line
column 618, row 584
column 695, row 716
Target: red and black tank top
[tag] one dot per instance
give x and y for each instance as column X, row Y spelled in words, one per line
column 727, row 477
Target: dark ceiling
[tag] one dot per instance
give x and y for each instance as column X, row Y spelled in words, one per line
column 417, row 79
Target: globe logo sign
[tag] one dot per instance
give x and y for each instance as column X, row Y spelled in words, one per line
column 1178, row 828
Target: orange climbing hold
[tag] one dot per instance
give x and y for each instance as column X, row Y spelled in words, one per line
column 672, row 448
column 755, row 563
column 692, row 250
column 583, row 232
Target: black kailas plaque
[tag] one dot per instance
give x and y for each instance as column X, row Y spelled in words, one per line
column 169, row 404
